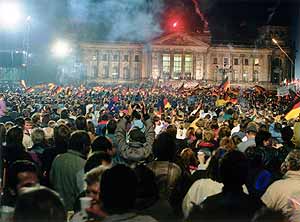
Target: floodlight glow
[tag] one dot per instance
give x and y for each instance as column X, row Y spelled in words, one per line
column 10, row 14
column 61, row 49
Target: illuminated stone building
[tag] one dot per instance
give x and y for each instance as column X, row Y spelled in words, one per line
column 186, row 56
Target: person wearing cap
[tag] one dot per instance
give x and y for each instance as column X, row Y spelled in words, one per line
column 251, row 131
column 281, row 192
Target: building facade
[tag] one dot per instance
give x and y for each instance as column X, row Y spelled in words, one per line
column 185, row 56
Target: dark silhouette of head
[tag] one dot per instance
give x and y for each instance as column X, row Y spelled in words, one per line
column 164, row 147
column 39, row 204
column 118, row 189
column 80, row 141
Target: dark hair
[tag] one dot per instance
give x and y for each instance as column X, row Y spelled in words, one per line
column 95, row 160
column 262, row 136
column 64, row 114
column 61, row 137
column 118, row 189
column 19, row 166
column 269, row 215
column 164, row 147
column 111, row 126
column 234, row 169
column 81, row 123
column 2, row 133
column 14, row 136
column 20, row 121
column 39, row 204
column 101, row 143
column 287, row 134
column 79, row 141
column 137, row 135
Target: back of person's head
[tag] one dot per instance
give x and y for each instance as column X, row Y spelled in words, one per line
column 292, row 161
column 136, row 135
column 14, row 136
column 287, row 134
column 80, row 141
column 39, row 204
column 81, row 123
column 234, row 169
column 101, row 143
column 20, row 166
column 224, row 131
column 261, row 137
column 214, row 164
column 147, row 188
column 20, row 121
column 38, row 136
column 118, row 189
column 269, row 215
column 64, row 114
column 97, row 159
column 111, row 126
column 208, row 136
column 61, row 136
column 198, row 134
column 36, row 118
column 188, row 157
column 227, row 143
column 164, row 147
column 2, row 133
column 90, row 127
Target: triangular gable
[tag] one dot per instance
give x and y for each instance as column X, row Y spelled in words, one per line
column 179, row 39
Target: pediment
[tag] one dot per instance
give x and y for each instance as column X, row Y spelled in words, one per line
column 179, row 39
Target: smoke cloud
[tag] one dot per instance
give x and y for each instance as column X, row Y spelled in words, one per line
column 132, row 20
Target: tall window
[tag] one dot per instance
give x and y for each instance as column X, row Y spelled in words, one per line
column 126, row 58
column 136, row 58
column 188, row 64
column 177, row 64
column 256, row 62
column 126, row 73
column 105, row 72
column 95, row 70
column 215, row 61
column 226, row 62
column 236, row 62
column 166, row 63
column 115, row 72
column 116, row 57
column 246, row 62
column 104, row 57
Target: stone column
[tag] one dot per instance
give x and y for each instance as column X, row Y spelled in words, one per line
column 171, row 64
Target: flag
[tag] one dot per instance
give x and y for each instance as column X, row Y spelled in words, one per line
column 167, row 105
column 225, row 85
column 58, row 90
column 51, row 86
column 23, row 84
column 30, row 90
column 293, row 110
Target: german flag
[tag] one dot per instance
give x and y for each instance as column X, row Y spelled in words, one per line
column 225, row 85
column 30, row 90
column 293, row 110
column 167, row 105
column 58, row 90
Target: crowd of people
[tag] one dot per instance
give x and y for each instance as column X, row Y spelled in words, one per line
column 154, row 153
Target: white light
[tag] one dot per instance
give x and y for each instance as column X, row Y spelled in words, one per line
column 10, row 14
column 61, row 49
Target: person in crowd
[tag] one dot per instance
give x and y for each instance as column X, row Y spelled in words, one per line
column 27, row 141
column 20, row 174
column 135, row 145
column 14, row 149
column 251, row 132
column 232, row 204
column 39, row 146
column 269, row 215
column 278, row 193
column 2, row 105
column 39, row 204
column 65, row 175
column 118, row 204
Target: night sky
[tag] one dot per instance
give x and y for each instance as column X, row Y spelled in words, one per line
column 141, row 20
